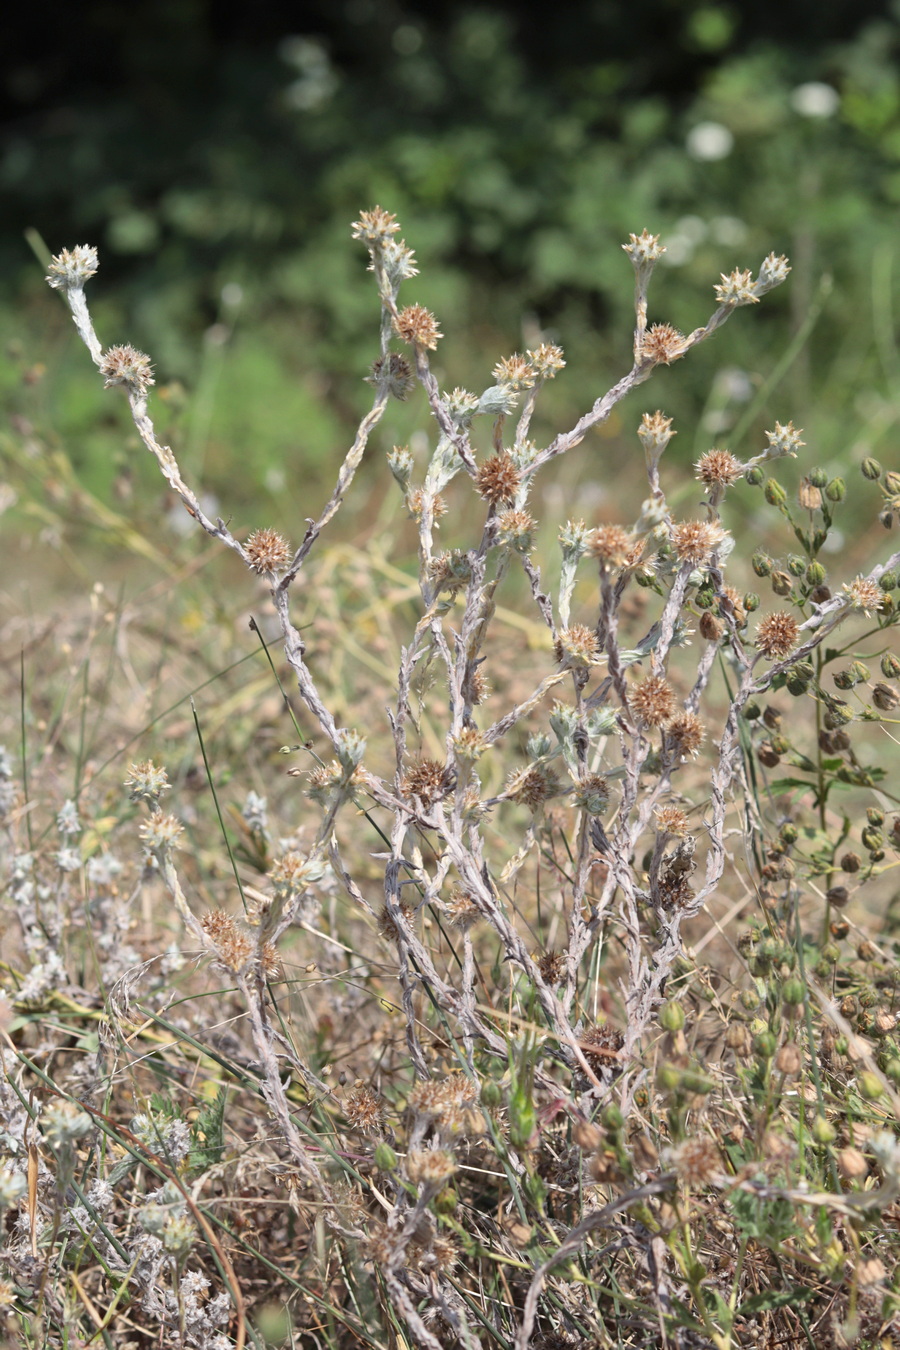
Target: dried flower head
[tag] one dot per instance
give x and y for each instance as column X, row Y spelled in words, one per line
column 293, row 872
column 737, row 288
column 591, row 793
column 234, row 947
column 663, row 344
column 515, row 529
column 611, row 545
column 515, row 372
column 395, row 370
column 653, row 701
column 161, row 833
column 362, row 1108
column 418, row 499
column 719, row 468
column 546, row 360
column 655, row 431
column 670, row 819
column 644, row 248
column 863, row 593
column 126, row 365
column 552, row 966
column 426, row 779
column 470, row 744
column 146, row 782
column 267, row 550
column 732, row 602
column 809, row 495
column 498, row 479
column 686, row 732
column 696, row 1160
column 476, row 687
column 777, row 635
column 387, row 927
column 601, row 1046
column 418, row 326
column 533, row 786
column 461, row 909
column 694, row 541
column 375, row 226
column 70, row 269
column 430, row 1167
column 885, row 698
column 577, row 648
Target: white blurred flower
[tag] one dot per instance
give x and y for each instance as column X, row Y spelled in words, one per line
column 709, row 140
column 815, row 99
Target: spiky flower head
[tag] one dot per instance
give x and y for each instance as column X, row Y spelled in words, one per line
column 395, row 371
column 515, row 529
column 719, row 468
column 126, row 365
column 663, row 344
column 387, row 924
column 644, row 248
column 70, row 269
column 293, row 873
column 653, row 701
column 592, row 794
column 772, row 273
column 398, row 260
column 425, row 779
column 476, row 687
column 267, row 550
column 671, row 819
column 777, row 635
column 418, row 326
column 461, row 406
column 601, row 1046
column 430, row 1167
column 375, row 226
column 498, row 479
column 470, row 744
column 577, row 648
column 686, row 732
column 147, row 782
column 737, row 288
column 418, row 501
column 461, row 909
column 694, row 541
column 400, row 463
column 784, row 440
column 655, row 432
column 363, row 1108
column 611, row 545
column 574, row 538
column 863, row 593
column 515, row 372
column 161, row 833
column 533, row 786
column 546, row 360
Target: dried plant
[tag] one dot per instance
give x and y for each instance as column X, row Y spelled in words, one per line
column 543, row 1156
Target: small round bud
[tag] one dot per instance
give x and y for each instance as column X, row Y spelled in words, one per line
column 823, row 1131
column 870, row 1086
column 871, row 469
column 886, row 518
column 831, row 954
column 888, row 581
column 796, row 565
column 843, row 679
column 789, row 1059
column 754, row 476
column 874, row 815
column 890, row 666
column 839, row 929
column 789, row 834
column 671, row 1016
column 751, row 601
column 892, row 1069
column 764, row 1045
column 762, row 564
column 491, row 1094
column 818, row 477
column 852, row 1164
column 850, row 863
column 892, row 482
column 819, row 594
column 836, row 490
column 793, row 993
column 752, row 710
column 815, row 573
column 385, row 1157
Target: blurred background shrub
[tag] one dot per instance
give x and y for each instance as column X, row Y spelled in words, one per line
column 216, row 154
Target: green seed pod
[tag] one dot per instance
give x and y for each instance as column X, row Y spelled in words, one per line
column 764, row 1045
column 491, row 1094
column 796, row 565
column 892, row 483
column 841, row 1045
column 871, row 469
column 870, row 1086
column 781, row 583
column 754, row 476
column 774, row 493
column 671, row 1016
column 890, row 666
column 837, row 716
column 818, row 477
column 874, row 815
column 704, row 599
column 888, row 581
column 385, row 1157
column 789, row 834
column 696, row 1083
column 762, row 564
column 793, row 993
column 872, row 838
column 749, row 999
column 668, row 1078
column 843, row 679
column 611, row 1118
column 859, row 671
column 751, row 601
column 892, row 1069
column 752, row 710
column 815, row 574
column 836, row 490
column 781, row 745
column 823, row 1131
column 831, row 953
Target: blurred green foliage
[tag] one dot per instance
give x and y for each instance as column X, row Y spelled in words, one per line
column 219, row 184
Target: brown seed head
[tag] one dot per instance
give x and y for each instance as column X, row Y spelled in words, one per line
column 126, row 365
column 670, row 819
column 515, row 372
column 687, row 732
column 863, row 594
column 431, row 1167
column 533, row 786
column 387, row 928
column 515, row 529
column 552, row 966
column 267, row 550
column 498, row 479
column 461, row 909
column 395, row 369
column 719, row 468
column 416, row 501
column 426, row 779
column 611, row 545
column 362, row 1108
column 374, row 226
column 663, row 344
column 417, row 325
column 476, row 687
column 695, row 540
column 653, row 701
column 777, row 635
column 601, row 1045
column 809, row 496
column 577, row 648
column 710, row 627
